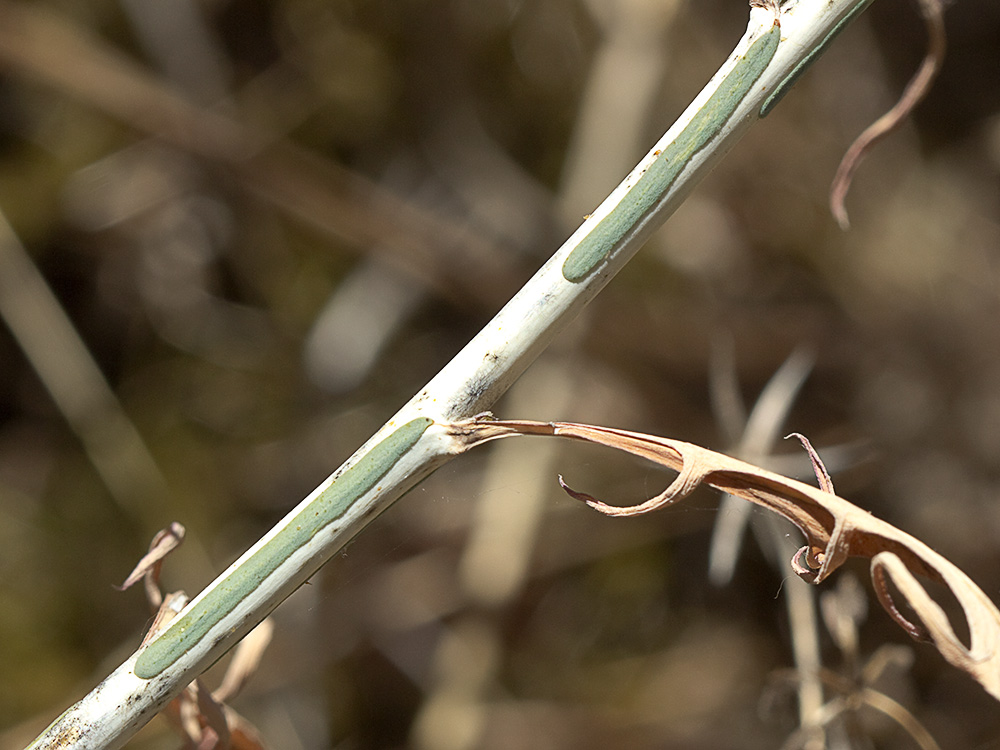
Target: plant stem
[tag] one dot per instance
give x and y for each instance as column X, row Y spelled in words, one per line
column 412, row 444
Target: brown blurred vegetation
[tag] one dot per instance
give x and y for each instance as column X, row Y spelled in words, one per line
column 270, row 223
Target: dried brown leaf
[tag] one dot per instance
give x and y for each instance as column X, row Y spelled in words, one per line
column 169, row 608
column 165, row 542
column 201, row 717
column 246, row 659
column 834, row 530
column 211, row 717
column 205, row 723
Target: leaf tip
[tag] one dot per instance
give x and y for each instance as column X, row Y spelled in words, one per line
column 583, row 496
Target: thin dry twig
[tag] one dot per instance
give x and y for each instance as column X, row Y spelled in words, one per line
column 932, row 12
column 843, row 610
column 872, row 699
column 834, row 530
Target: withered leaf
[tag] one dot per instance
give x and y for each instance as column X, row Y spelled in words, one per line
column 834, row 530
column 148, row 568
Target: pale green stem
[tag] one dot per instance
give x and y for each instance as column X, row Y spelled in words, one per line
column 411, row 445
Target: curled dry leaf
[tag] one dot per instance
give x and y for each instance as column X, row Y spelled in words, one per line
column 148, row 568
column 204, row 719
column 834, row 530
column 170, row 606
column 206, row 723
column 210, row 714
column 200, row 716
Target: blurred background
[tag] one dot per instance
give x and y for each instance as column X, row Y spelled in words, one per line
column 243, row 233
